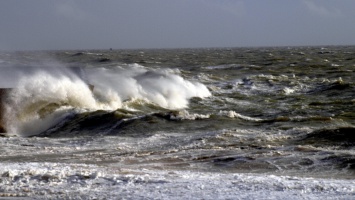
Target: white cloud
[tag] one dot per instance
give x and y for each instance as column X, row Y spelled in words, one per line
column 321, row 10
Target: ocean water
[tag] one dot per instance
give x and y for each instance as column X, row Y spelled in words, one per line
column 224, row 123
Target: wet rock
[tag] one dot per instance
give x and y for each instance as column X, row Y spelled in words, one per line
column 3, row 92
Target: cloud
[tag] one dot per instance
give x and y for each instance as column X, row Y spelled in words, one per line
column 321, row 10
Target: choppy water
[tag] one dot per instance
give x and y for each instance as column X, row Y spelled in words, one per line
column 194, row 123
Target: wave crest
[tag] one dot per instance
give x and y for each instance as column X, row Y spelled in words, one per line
column 42, row 99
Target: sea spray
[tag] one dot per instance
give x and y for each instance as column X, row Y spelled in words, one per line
column 42, row 99
column 160, row 86
column 45, row 97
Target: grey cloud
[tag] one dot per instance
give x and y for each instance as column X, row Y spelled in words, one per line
column 83, row 24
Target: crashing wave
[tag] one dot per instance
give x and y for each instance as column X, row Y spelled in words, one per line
column 45, row 98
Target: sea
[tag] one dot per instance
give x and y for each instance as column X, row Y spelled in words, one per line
column 208, row 123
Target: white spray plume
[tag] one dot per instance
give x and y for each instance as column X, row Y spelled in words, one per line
column 44, row 97
column 161, row 87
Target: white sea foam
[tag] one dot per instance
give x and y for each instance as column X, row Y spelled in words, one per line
column 80, row 181
column 185, row 115
column 288, row 90
column 233, row 114
column 44, row 97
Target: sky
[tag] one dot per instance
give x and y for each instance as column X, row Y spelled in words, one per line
column 132, row 24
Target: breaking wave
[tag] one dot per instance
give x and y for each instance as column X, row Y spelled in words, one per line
column 46, row 97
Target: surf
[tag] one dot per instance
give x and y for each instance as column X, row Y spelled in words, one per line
column 44, row 97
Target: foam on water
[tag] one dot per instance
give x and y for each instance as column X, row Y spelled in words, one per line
column 233, row 114
column 55, row 180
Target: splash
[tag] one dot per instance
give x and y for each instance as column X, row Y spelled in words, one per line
column 163, row 87
column 44, row 97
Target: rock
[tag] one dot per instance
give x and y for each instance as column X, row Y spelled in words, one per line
column 3, row 92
